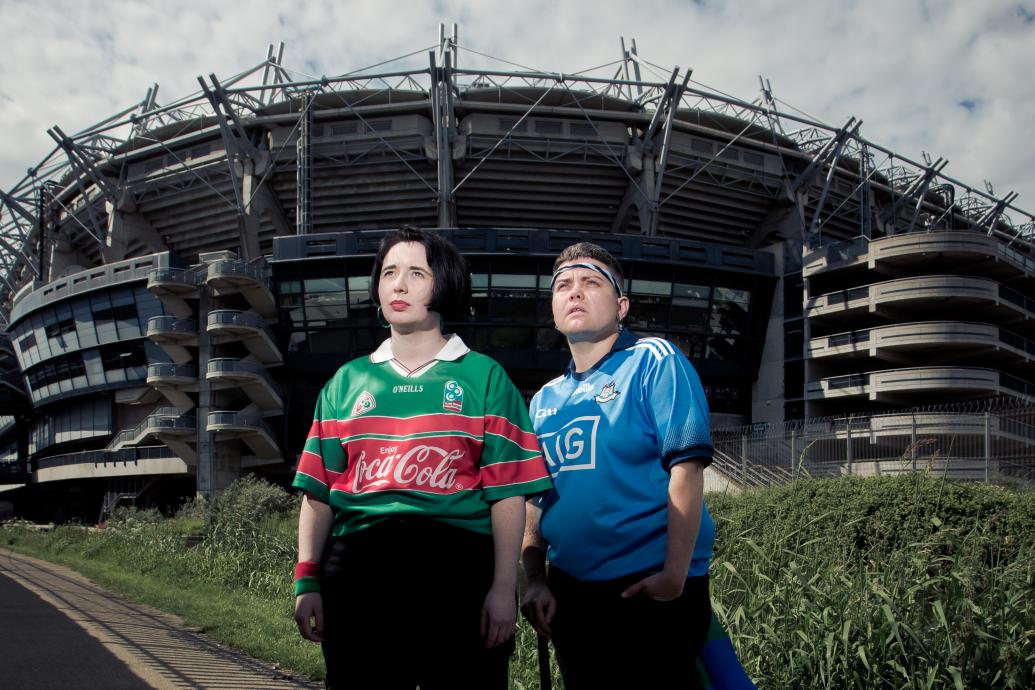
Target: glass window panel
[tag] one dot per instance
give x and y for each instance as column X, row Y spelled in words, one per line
column 334, row 284
column 293, row 287
column 729, row 317
column 727, row 294
column 651, row 287
column 326, row 309
column 722, row 348
column 648, row 311
column 479, row 296
column 297, row 343
column 691, row 293
column 84, row 324
column 513, row 280
column 94, row 367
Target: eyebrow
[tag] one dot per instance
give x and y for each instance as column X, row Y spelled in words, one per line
column 415, row 266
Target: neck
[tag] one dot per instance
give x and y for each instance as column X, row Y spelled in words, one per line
column 586, row 353
column 416, row 347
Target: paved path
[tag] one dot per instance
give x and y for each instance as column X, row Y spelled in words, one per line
column 60, row 630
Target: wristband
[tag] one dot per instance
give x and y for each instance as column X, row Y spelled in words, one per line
column 307, row 577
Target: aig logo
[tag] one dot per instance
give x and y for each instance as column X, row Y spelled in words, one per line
column 573, row 446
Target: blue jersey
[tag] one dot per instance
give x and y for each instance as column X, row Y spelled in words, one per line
column 610, row 436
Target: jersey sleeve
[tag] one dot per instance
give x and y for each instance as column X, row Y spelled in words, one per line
column 323, row 457
column 679, row 410
column 511, row 462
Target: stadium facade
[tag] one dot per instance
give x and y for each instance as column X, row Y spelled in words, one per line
column 178, row 280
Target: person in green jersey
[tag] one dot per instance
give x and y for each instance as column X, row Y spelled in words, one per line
column 415, row 474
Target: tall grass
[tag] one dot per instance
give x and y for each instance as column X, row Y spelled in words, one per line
column 905, row 582
column 910, row 582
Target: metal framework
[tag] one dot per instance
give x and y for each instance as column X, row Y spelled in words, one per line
column 83, row 182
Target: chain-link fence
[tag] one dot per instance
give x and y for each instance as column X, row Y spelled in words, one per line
column 989, row 440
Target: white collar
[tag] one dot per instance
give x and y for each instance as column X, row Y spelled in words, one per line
column 453, row 350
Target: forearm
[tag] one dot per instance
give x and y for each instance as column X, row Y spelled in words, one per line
column 314, row 526
column 685, row 499
column 508, row 518
column 533, row 548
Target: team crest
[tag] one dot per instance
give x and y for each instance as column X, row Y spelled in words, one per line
column 453, row 397
column 607, row 393
column 364, row 403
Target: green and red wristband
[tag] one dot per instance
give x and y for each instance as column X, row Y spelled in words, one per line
column 307, row 577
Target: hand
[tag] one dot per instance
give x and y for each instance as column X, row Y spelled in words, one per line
column 661, row 586
column 539, row 607
column 309, row 615
column 499, row 616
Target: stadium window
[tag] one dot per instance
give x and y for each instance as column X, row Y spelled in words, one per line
column 479, row 296
column 548, row 127
column 690, row 305
column 650, row 303
column 508, row 123
column 27, row 342
column 701, row 146
column 60, row 329
column 730, row 310
column 512, row 297
column 123, row 356
column 361, row 309
column 754, row 158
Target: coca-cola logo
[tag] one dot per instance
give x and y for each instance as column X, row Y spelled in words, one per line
column 421, row 466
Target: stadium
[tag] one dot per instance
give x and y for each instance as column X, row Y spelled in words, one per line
column 178, row 280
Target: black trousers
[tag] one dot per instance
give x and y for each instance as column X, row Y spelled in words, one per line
column 604, row 641
column 402, row 607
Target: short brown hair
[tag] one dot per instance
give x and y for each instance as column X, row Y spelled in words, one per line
column 588, row 250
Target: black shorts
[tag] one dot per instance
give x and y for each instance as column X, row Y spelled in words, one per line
column 604, row 641
column 402, row 607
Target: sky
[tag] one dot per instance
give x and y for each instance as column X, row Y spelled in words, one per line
column 952, row 78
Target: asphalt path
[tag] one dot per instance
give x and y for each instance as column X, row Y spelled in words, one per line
column 60, row 630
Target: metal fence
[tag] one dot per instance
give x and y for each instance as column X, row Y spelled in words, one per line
column 989, row 440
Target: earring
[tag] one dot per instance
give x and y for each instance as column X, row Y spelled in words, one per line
column 381, row 321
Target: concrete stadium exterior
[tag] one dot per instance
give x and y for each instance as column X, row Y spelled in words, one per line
column 179, row 280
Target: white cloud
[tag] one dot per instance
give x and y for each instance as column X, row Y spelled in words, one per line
column 904, row 68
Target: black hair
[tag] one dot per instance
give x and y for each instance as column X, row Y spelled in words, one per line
column 451, row 294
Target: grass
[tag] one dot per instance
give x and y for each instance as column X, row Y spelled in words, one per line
column 910, row 582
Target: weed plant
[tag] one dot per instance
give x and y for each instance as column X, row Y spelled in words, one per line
column 906, row 582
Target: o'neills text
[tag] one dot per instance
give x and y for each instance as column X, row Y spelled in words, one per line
column 420, row 466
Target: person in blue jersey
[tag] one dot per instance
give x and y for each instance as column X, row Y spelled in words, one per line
column 625, row 433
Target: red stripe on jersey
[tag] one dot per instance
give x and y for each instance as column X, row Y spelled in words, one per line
column 311, row 464
column 518, row 472
column 404, row 426
column 512, row 432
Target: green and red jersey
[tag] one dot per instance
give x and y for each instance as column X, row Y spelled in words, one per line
column 442, row 441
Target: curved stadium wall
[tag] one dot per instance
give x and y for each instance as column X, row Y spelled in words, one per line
column 186, row 276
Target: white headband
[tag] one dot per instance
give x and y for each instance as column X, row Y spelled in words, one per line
column 593, row 267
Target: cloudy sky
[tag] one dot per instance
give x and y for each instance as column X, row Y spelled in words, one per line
column 952, row 78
